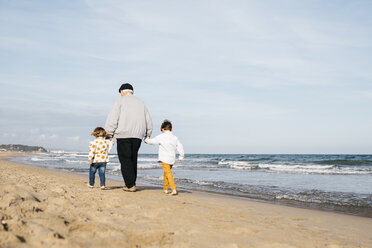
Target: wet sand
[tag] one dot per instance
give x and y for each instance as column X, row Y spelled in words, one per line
column 42, row 207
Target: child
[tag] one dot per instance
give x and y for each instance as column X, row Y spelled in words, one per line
column 98, row 156
column 168, row 144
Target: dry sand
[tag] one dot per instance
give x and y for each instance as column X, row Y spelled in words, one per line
column 47, row 208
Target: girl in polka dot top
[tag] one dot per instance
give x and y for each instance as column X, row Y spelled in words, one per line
column 98, row 156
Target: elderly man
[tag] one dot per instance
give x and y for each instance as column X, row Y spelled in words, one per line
column 129, row 122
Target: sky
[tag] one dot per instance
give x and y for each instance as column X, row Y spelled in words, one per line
column 232, row 76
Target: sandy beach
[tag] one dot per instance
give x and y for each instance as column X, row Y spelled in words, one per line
column 49, row 208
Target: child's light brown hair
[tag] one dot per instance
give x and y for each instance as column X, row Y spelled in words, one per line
column 166, row 125
column 99, row 132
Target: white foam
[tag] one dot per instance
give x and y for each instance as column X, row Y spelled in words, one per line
column 239, row 165
column 38, row 159
column 149, row 166
column 76, row 161
column 147, row 159
column 57, row 151
column 313, row 169
column 298, row 198
column 295, row 169
column 151, row 177
column 76, row 155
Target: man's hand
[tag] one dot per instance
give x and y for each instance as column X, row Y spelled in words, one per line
column 90, row 161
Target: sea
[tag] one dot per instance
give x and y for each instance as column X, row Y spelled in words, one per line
column 336, row 183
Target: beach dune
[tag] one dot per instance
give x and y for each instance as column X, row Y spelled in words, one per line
column 42, row 207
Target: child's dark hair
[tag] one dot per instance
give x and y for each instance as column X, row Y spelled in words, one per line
column 99, row 132
column 166, row 125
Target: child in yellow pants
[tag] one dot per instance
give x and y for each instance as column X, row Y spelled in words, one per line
column 168, row 145
column 168, row 178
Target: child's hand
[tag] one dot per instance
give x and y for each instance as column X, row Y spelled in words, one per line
column 179, row 160
column 90, row 161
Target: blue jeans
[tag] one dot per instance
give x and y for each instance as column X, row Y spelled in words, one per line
column 101, row 167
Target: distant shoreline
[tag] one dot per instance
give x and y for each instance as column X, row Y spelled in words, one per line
column 21, row 148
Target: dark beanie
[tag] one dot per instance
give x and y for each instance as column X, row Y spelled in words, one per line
column 125, row 87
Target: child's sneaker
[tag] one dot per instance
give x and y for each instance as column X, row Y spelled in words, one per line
column 174, row 192
column 166, row 192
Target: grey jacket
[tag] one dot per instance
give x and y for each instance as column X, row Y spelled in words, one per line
column 129, row 118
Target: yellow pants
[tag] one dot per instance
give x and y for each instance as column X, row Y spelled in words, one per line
column 168, row 177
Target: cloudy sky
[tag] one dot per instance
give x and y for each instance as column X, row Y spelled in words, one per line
column 233, row 76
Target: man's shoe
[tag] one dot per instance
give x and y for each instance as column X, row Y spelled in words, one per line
column 132, row 189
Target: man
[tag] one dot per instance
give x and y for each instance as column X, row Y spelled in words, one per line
column 129, row 122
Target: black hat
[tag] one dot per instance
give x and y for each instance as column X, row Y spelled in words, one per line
column 125, row 87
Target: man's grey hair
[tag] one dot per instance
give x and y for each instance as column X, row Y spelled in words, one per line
column 127, row 91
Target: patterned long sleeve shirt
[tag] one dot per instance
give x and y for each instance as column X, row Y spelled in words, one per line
column 99, row 149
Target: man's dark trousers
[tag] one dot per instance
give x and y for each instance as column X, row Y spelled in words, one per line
column 128, row 154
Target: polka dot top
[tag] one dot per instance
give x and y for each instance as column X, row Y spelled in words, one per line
column 99, row 149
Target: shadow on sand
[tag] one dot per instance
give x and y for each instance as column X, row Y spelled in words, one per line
column 146, row 187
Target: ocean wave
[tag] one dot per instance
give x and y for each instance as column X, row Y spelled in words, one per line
column 76, row 161
column 77, row 155
column 239, row 165
column 65, row 152
column 151, row 178
column 321, row 197
column 184, row 181
column 272, row 193
column 147, row 159
column 221, row 185
column 149, row 166
column 57, row 151
column 296, row 168
column 346, row 162
column 315, row 169
column 213, row 164
column 297, row 198
column 42, row 159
